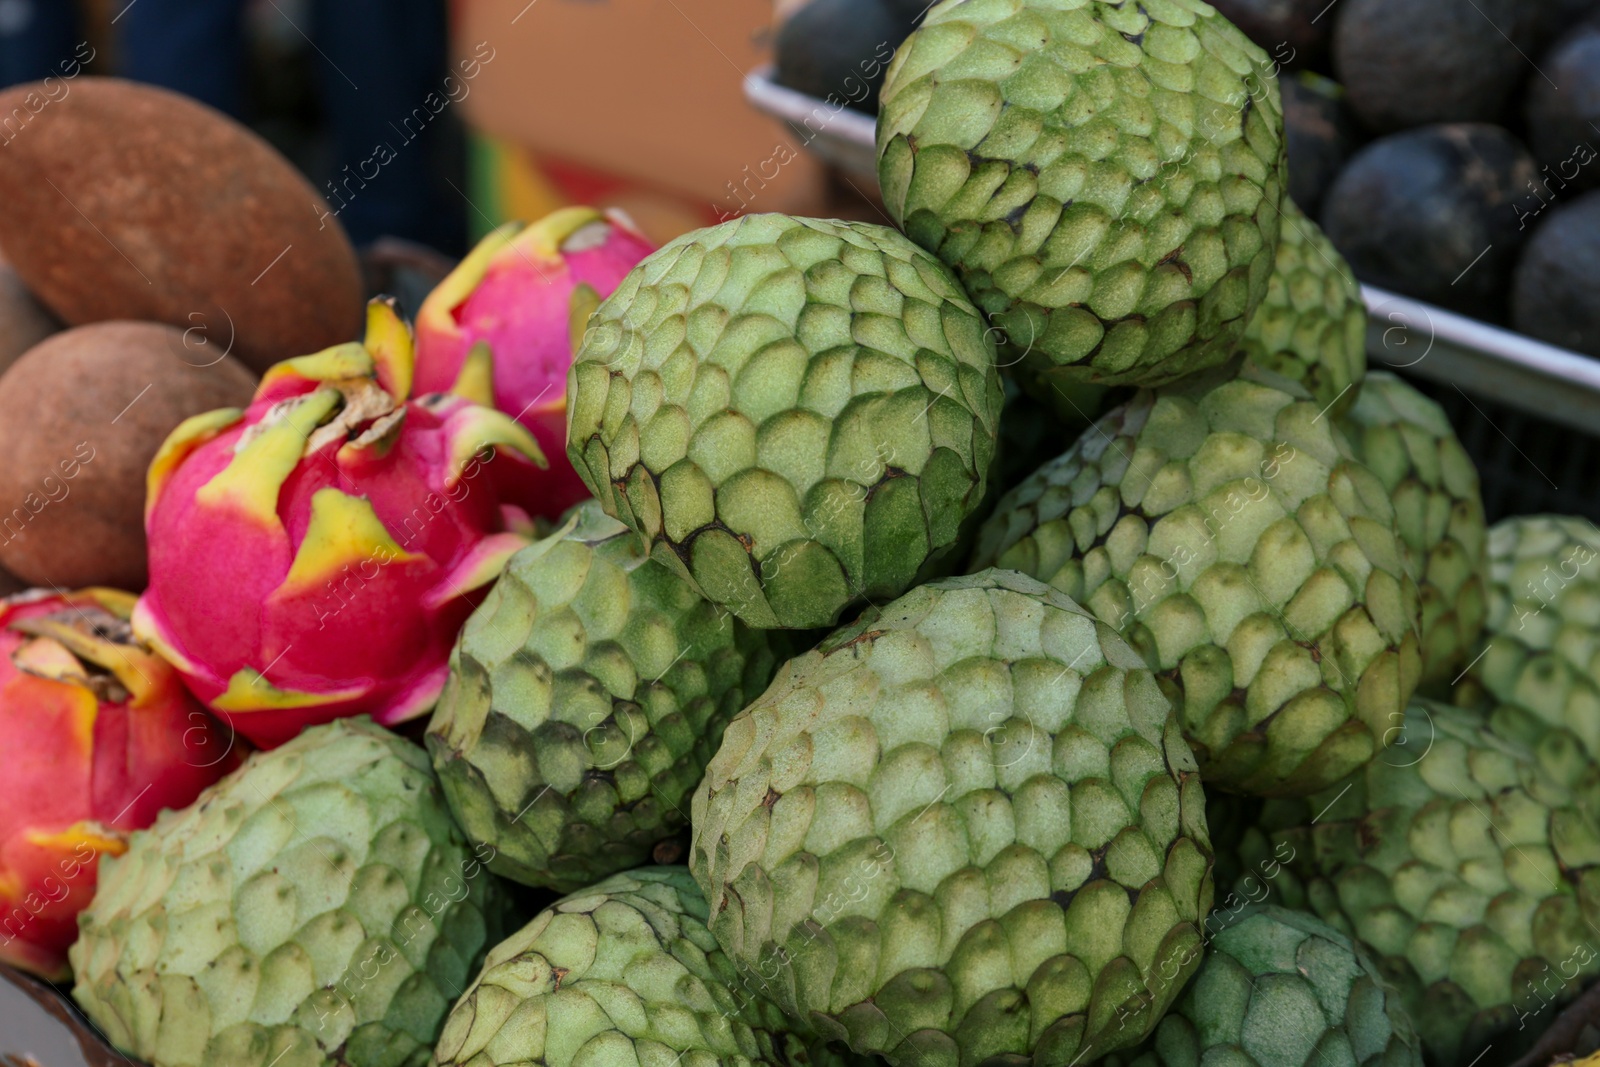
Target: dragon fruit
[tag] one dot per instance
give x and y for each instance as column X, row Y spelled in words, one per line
column 100, row 736
column 315, row 555
column 526, row 292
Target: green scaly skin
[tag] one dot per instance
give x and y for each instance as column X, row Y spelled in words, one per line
column 586, row 695
column 1540, row 662
column 1406, row 440
column 1311, row 327
column 623, row 974
column 1280, row 988
column 316, row 907
column 1232, row 538
column 1104, row 178
column 796, row 414
column 1468, row 864
column 965, row 827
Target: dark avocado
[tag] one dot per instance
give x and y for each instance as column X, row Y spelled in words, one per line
column 1408, row 63
column 1321, row 133
column 839, row 50
column 1433, row 213
column 1553, row 296
column 1540, row 22
column 1564, row 123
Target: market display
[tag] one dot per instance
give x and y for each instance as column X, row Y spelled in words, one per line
column 1462, row 137
column 1468, row 873
column 1026, row 636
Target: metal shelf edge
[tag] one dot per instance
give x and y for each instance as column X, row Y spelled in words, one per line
column 1413, row 337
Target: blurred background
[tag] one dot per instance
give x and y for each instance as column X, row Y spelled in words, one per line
column 490, row 110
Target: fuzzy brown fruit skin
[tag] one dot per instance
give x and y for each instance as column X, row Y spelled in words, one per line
column 78, row 430
column 129, row 202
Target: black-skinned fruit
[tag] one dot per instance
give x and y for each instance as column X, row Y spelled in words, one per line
column 1564, row 123
column 838, row 50
column 1553, row 296
column 1322, row 135
column 1541, row 22
column 1412, row 62
column 1431, row 213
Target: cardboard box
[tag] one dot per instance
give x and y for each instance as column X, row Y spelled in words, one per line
column 632, row 103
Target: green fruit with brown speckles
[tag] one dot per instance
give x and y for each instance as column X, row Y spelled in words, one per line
column 1104, row 178
column 1231, row 536
column 586, row 695
column 797, row 415
column 963, row 830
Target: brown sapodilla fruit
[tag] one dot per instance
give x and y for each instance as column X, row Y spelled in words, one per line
column 125, row 201
column 81, row 417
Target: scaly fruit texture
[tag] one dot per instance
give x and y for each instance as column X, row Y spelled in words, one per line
column 796, row 414
column 526, row 293
column 1231, row 537
column 316, row 554
column 1104, row 178
column 1311, row 326
column 1468, row 864
column 1540, row 661
column 586, row 696
column 963, row 830
column 100, row 735
column 623, row 974
column 317, row 907
column 1406, row 440
column 1280, row 988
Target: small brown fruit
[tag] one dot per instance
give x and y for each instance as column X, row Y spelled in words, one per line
column 81, row 417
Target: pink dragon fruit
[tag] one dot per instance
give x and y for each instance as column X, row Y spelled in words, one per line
column 527, row 293
column 100, row 735
column 315, row 555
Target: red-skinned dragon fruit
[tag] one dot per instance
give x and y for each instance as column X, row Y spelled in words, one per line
column 527, row 292
column 100, row 735
column 315, row 555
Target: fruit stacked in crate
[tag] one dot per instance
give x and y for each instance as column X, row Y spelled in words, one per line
column 1026, row 633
